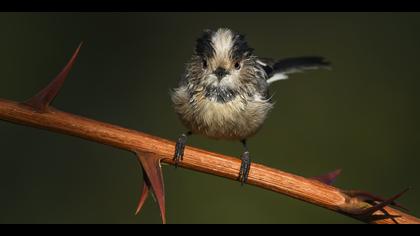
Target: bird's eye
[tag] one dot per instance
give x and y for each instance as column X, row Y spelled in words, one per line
column 237, row 65
column 204, row 64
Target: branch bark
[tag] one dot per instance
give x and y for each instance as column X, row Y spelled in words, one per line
column 151, row 151
column 308, row 190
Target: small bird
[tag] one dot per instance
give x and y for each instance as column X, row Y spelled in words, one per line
column 224, row 92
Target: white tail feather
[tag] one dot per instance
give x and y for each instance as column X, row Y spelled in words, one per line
column 277, row 77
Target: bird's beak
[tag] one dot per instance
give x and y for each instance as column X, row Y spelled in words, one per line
column 220, row 73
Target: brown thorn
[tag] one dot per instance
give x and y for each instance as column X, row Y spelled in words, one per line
column 374, row 218
column 383, row 204
column 144, row 193
column 328, row 178
column 369, row 197
column 153, row 172
column 42, row 99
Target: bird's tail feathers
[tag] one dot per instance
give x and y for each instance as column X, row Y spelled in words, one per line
column 277, row 77
column 283, row 67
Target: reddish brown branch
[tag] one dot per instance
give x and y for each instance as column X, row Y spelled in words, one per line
column 301, row 188
column 152, row 150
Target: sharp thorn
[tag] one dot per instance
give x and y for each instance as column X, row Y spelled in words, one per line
column 154, row 178
column 368, row 197
column 42, row 100
column 328, row 178
column 383, row 204
column 144, row 194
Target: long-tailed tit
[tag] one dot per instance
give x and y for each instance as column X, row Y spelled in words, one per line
column 224, row 92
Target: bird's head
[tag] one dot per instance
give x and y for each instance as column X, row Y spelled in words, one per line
column 222, row 59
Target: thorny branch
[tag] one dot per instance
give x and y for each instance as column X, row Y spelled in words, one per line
column 151, row 151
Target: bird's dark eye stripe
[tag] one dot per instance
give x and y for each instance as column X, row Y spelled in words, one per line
column 204, row 64
column 240, row 47
column 204, row 45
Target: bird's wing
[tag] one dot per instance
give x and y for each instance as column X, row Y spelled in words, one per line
column 278, row 70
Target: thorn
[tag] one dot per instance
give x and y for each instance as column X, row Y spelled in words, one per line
column 369, row 211
column 144, row 194
column 373, row 218
column 368, row 197
column 153, row 179
column 42, row 100
column 328, row 178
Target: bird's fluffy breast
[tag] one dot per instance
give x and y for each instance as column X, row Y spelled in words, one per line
column 239, row 118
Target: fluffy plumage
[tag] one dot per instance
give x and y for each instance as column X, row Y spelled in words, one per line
column 223, row 93
column 232, row 107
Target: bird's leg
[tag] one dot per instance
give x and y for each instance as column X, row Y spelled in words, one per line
column 245, row 165
column 180, row 146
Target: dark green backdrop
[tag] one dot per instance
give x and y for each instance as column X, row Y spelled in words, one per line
column 362, row 116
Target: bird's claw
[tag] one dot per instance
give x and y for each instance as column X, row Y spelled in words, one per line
column 179, row 149
column 245, row 166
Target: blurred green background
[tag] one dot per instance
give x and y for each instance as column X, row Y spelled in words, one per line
column 362, row 116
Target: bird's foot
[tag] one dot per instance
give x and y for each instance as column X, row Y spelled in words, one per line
column 179, row 149
column 245, row 166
